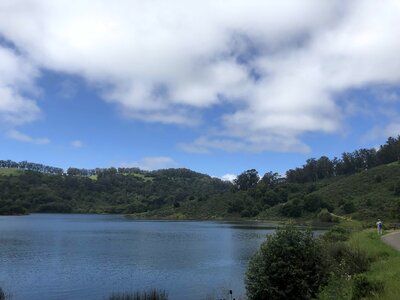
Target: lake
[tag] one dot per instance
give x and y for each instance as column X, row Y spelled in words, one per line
column 68, row 256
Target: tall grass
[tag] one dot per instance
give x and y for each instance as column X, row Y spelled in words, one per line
column 380, row 281
column 146, row 295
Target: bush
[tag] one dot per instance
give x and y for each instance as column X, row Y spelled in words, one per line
column 291, row 209
column 363, row 287
column 336, row 234
column 337, row 288
column 2, row 294
column 346, row 260
column 325, row 216
column 289, row 265
column 13, row 209
column 349, row 207
column 378, row 178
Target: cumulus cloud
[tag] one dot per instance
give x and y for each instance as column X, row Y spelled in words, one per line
column 16, row 78
column 228, row 177
column 278, row 64
column 152, row 163
column 22, row 137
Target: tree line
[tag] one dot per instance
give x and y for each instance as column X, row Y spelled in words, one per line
column 349, row 163
column 29, row 166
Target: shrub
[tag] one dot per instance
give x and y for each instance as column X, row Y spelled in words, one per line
column 2, row 294
column 312, row 203
column 363, row 287
column 289, row 265
column 337, row 288
column 378, row 178
column 349, row 207
column 346, row 260
column 325, row 216
column 336, row 234
column 291, row 209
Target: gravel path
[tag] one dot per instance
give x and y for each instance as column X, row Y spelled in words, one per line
column 393, row 239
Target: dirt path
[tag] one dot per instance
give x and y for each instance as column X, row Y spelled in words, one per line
column 392, row 239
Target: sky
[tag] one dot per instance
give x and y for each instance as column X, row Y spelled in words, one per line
column 214, row 86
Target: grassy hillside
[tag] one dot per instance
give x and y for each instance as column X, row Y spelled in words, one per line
column 369, row 194
column 10, row 172
column 379, row 280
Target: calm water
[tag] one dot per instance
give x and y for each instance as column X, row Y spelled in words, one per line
column 87, row 257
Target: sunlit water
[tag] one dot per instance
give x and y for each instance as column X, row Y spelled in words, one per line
column 59, row 256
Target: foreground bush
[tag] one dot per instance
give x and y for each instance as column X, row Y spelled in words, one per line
column 289, row 265
column 2, row 294
column 147, row 295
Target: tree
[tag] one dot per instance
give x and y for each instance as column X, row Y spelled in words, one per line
column 270, row 179
column 247, row 180
column 289, row 265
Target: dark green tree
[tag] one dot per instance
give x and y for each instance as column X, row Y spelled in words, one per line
column 289, row 265
column 247, row 180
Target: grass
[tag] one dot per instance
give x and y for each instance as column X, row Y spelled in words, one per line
column 10, row 172
column 385, row 265
column 140, row 176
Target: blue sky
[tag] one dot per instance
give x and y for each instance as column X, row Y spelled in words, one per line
column 212, row 88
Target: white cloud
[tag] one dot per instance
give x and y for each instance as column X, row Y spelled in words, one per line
column 152, row 163
column 168, row 61
column 22, row 137
column 77, row 144
column 228, row 177
column 16, row 77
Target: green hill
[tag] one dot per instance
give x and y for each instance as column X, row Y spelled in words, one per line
column 185, row 194
column 373, row 193
column 368, row 195
column 109, row 191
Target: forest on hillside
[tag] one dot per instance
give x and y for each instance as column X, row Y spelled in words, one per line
column 31, row 187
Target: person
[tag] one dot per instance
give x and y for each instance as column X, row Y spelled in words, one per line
column 379, row 226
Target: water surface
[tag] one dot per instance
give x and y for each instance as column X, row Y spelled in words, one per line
column 58, row 256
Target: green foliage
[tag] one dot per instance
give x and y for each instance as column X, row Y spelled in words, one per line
column 396, row 189
column 325, row 216
column 289, row 265
column 338, row 288
column 364, row 287
column 246, row 180
column 112, row 192
column 146, row 295
column 349, row 207
column 346, row 260
column 292, row 209
column 337, row 234
column 378, row 178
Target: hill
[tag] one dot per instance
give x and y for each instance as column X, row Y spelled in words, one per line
column 109, row 191
column 364, row 184
column 367, row 195
column 370, row 194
